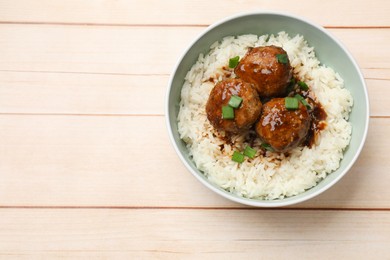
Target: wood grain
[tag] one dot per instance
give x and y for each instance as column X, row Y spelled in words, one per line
column 174, row 12
column 178, row 234
column 137, row 49
column 94, row 94
column 86, row 167
column 129, row 161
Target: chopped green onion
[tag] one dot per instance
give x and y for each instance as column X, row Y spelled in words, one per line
column 303, row 101
column 233, row 62
column 267, row 147
column 250, row 152
column 291, row 85
column 227, row 112
column 238, row 157
column 307, row 105
column 282, row 58
column 299, row 97
column 303, row 85
column 292, row 81
column 235, row 101
column 291, row 103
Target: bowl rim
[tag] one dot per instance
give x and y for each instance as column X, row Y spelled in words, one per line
column 255, row 202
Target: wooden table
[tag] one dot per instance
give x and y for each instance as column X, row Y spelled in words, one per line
column 86, row 167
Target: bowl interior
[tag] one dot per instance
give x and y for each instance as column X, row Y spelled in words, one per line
column 328, row 50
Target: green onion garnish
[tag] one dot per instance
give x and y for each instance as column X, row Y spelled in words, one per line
column 235, row 101
column 291, row 103
column 267, row 147
column 250, row 152
column 307, row 105
column 233, row 62
column 299, row 97
column 291, row 85
column 238, row 157
column 303, row 101
column 227, row 112
column 303, row 85
column 282, row 58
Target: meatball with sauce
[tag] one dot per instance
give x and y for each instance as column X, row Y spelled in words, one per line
column 281, row 128
column 244, row 116
column 267, row 68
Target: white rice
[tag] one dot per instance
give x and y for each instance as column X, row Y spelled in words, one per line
column 271, row 175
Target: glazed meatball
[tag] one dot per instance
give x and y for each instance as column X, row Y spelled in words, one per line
column 281, row 128
column 244, row 116
column 267, row 68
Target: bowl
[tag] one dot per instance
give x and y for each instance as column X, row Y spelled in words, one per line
column 328, row 50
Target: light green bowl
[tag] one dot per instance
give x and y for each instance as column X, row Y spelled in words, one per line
column 328, row 50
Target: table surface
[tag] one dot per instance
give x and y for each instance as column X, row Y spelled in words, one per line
column 87, row 169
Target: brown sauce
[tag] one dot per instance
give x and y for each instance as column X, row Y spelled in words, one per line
column 317, row 114
column 227, row 73
column 318, row 117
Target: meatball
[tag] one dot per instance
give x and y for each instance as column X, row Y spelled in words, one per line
column 281, row 128
column 267, row 68
column 244, row 116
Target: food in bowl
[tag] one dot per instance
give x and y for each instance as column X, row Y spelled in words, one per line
column 283, row 128
column 242, row 159
column 263, row 67
column 220, row 111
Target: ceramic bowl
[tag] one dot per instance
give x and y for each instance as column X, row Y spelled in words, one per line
column 328, row 50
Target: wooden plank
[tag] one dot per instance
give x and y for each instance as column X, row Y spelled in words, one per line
column 129, row 161
column 137, row 50
column 377, row 73
column 118, row 50
column 56, row 93
column 31, row 92
column 178, row 234
column 379, row 103
column 331, row 13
